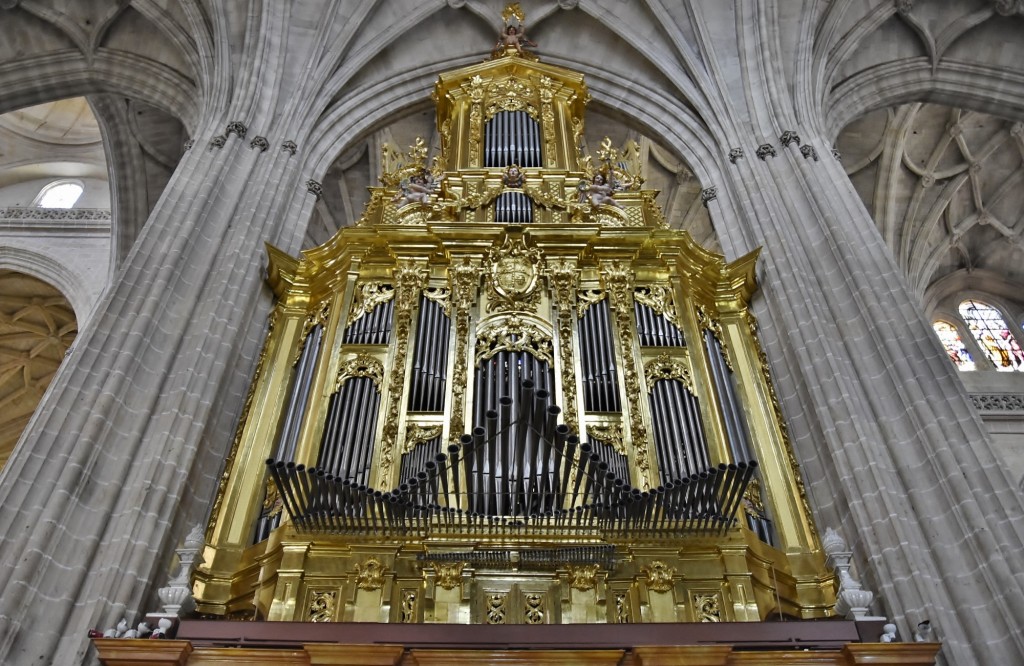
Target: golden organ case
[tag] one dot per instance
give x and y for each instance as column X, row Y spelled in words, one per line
column 512, row 393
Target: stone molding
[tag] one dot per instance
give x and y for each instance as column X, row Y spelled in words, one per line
column 34, row 213
column 998, row 402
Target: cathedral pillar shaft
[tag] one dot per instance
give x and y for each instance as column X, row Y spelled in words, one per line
column 884, row 430
column 134, row 429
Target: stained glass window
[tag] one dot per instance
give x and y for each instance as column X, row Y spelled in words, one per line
column 950, row 339
column 989, row 329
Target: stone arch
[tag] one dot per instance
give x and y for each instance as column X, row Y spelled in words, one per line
column 74, row 286
column 973, row 87
column 48, row 78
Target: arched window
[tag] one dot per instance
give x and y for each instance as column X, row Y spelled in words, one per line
column 989, row 328
column 59, row 194
column 950, row 338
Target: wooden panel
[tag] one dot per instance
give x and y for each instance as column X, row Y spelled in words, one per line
column 891, row 654
column 321, row 654
column 517, row 657
column 128, row 652
column 691, row 655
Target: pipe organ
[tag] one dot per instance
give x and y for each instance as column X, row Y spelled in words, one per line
column 512, row 390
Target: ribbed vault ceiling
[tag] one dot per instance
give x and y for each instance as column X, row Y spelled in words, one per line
column 946, row 188
column 37, row 325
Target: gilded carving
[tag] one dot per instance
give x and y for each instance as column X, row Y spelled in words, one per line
column 321, row 607
column 533, row 612
column 513, row 334
column 318, row 315
column 441, row 296
column 272, row 504
column 706, row 607
column 621, row 608
column 510, row 94
column 583, row 576
column 610, row 434
column 552, row 198
column 417, row 434
column 711, row 323
column 370, row 574
column 409, row 280
column 408, row 608
column 618, row 279
column 475, row 87
column 564, row 281
column 367, row 297
column 585, row 298
column 449, row 574
column 781, row 421
column 496, row 608
column 753, row 505
column 464, row 279
column 513, row 272
column 666, row 367
column 547, row 118
column 361, row 366
column 659, row 576
column 471, row 200
column 658, row 298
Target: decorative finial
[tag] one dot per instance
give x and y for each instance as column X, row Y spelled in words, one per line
column 513, row 9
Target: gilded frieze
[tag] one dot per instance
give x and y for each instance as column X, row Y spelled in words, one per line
column 659, row 576
column 370, row 574
column 362, row 365
column 322, row 606
column 367, row 297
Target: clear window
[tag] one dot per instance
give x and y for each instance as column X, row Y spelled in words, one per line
column 60, row 194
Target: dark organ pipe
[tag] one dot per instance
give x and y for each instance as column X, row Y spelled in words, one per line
column 597, row 353
column 655, row 330
column 430, row 359
column 679, row 438
column 373, row 327
column 732, row 411
column 346, row 447
column 299, row 393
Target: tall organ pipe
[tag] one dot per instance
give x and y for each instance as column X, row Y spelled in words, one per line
column 430, row 359
column 512, row 137
column 732, row 411
column 299, row 394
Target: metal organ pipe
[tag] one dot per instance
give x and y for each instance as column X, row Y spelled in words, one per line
column 601, row 390
column 732, row 411
column 299, row 393
column 512, row 137
column 373, row 327
column 430, row 359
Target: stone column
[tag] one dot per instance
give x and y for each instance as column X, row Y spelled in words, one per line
column 134, row 429
column 890, row 445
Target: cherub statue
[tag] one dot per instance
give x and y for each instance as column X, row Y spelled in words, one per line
column 513, row 176
column 514, row 36
column 599, row 192
column 416, row 190
column 888, row 634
